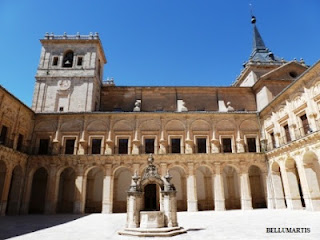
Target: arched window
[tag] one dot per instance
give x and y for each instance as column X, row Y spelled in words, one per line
column 68, row 59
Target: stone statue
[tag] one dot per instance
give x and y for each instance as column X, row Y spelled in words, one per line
column 229, row 107
column 137, row 106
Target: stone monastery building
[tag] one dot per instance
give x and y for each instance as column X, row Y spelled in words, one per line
column 254, row 144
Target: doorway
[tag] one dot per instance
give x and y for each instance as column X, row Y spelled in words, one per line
column 150, row 198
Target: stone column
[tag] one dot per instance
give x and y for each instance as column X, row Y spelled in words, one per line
column 192, row 189
column 133, row 209
column 5, row 191
column 79, row 195
column 219, row 200
column 26, row 193
column 170, row 209
column 162, row 141
column 107, row 194
column 246, row 200
column 52, row 191
column 290, row 187
column 55, row 142
column 109, row 143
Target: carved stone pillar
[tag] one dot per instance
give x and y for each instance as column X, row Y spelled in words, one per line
column 192, row 189
column 5, row 191
column 107, row 194
column 79, row 195
column 52, row 191
column 246, row 200
column 135, row 147
column 219, row 200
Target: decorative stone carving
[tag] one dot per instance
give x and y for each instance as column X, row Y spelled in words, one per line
column 137, row 106
column 229, row 107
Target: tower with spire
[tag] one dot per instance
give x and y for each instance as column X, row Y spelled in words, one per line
column 266, row 73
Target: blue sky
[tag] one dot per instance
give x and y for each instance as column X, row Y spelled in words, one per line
column 158, row 42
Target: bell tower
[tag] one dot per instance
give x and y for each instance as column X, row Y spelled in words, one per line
column 69, row 75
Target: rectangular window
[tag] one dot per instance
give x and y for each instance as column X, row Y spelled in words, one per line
column 69, row 146
column 96, row 146
column 273, row 141
column 175, row 145
column 79, row 62
column 55, row 61
column 149, row 145
column 287, row 133
column 43, row 146
column 61, row 109
column 305, row 124
column 20, row 141
column 201, row 145
column 251, row 144
column 3, row 136
column 123, row 146
column 226, row 143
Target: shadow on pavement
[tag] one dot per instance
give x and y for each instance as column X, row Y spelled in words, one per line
column 13, row 226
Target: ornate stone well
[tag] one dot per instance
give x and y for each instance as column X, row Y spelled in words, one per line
column 150, row 212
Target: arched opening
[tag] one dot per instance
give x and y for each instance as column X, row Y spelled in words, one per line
column 15, row 191
column 257, row 189
column 312, row 173
column 94, row 189
column 204, row 188
column 151, row 197
column 38, row 191
column 122, row 181
column 68, row 59
column 66, row 191
column 231, row 185
column 3, row 170
column 294, row 180
column 179, row 181
column 278, row 188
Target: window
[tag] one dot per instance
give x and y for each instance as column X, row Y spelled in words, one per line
column 149, row 145
column 123, row 146
column 175, row 145
column 43, row 146
column 226, row 144
column 251, row 144
column 305, row 124
column 68, row 59
column 20, row 141
column 69, row 146
column 96, row 146
column 273, row 141
column 61, row 109
column 3, row 135
column 55, row 61
column 201, row 145
column 79, row 62
column 287, row 133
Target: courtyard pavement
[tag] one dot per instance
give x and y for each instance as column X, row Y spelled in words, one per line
column 236, row 224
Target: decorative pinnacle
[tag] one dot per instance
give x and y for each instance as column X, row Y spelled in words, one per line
column 253, row 19
column 150, row 159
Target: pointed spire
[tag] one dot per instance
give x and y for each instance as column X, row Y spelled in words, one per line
column 260, row 53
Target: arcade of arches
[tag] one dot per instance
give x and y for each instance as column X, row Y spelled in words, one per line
column 292, row 183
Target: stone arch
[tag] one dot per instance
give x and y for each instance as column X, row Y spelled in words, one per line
column 71, row 126
column 3, row 171
column 179, row 180
column 257, row 188
column 200, row 125
column 66, row 190
column 94, row 187
column 121, row 183
column 122, row 125
column 15, row 191
column 225, row 125
column 38, row 191
column 149, row 125
column 312, row 173
column 294, row 184
column 249, row 125
column 175, row 125
column 204, row 188
column 97, row 125
column 45, row 126
column 231, row 183
column 278, row 188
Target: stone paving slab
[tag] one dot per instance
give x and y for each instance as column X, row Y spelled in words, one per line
column 234, row 224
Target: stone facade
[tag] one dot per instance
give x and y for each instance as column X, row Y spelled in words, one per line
column 251, row 145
